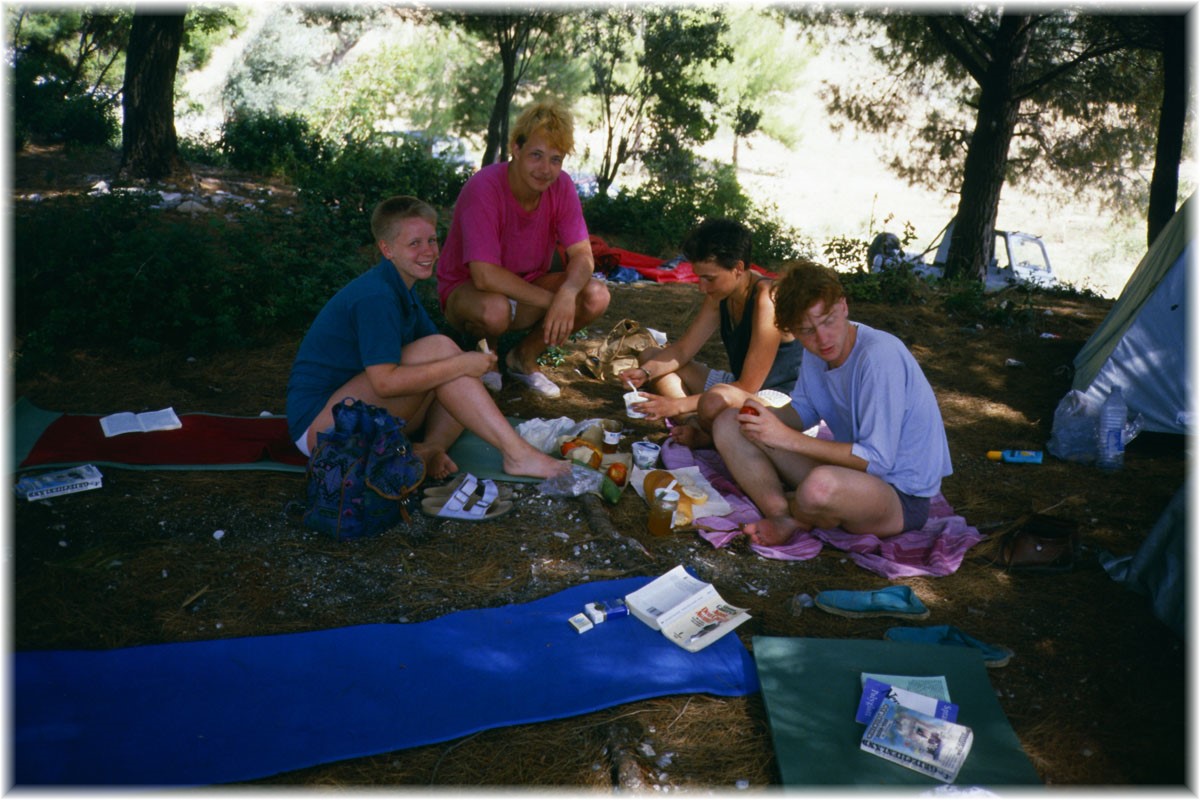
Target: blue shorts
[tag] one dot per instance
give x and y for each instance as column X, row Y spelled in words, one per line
column 915, row 510
column 716, row 376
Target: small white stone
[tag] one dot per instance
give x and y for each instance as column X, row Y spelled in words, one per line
column 742, row 784
column 218, row 535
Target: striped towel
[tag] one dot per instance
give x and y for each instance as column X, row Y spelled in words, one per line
column 936, row 549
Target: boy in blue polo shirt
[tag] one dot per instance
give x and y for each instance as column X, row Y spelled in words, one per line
column 374, row 341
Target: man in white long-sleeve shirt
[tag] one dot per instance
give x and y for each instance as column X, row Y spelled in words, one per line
column 889, row 451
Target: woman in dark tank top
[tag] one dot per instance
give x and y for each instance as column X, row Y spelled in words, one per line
column 738, row 304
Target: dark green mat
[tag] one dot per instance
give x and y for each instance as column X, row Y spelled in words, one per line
column 479, row 458
column 811, row 689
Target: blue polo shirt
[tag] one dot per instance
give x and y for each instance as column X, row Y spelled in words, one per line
column 368, row 322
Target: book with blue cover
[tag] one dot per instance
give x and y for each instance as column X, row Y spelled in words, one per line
column 875, row 691
column 913, row 739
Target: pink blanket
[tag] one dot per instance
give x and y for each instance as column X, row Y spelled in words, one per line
column 936, row 549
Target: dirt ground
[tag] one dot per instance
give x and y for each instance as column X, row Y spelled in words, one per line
column 1097, row 691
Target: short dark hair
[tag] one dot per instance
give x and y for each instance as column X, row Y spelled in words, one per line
column 725, row 241
column 397, row 209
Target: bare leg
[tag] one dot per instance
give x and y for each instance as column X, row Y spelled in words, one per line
column 860, row 503
column 759, row 475
column 441, row 431
column 591, row 302
column 468, row 401
column 465, row 400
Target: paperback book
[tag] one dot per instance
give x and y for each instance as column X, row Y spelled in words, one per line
column 127, row 422
column 923, row 743
column 53, row 484
column 688, row 611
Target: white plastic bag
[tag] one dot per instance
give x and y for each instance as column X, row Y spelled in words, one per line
column 1073, row 434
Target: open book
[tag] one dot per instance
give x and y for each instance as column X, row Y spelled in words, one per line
column 128, row 422
column 687, row 610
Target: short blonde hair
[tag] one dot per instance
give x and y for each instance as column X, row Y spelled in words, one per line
column 394, row 210
column 549, row 118
column 804, row 284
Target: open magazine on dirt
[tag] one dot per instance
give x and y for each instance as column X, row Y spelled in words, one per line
column 687, row 610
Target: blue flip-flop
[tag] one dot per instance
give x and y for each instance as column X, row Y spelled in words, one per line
column 993, row 655
column 892, row 601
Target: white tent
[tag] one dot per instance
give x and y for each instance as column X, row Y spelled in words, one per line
column 1142, row 344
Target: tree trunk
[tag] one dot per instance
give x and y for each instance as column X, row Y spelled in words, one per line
column 973, row 238
column 149, row 147
column 1168, row 152
column 496, row 147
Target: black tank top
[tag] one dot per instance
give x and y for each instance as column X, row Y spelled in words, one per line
column 786, row 366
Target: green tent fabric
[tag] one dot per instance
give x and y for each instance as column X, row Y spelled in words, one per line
column 1141, row 345
column 811, row 689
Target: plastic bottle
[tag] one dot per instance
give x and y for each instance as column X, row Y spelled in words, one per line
column 1016, row 456
column 1110, row 431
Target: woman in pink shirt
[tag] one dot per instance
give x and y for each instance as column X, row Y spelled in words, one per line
column 494, row 271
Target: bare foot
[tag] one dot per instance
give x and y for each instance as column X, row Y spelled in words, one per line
column 691, row 436
column 535, row 464
column 438, row 463
column 772, row 531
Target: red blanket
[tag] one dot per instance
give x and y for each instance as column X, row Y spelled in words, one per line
column 204, row 440
column 608, row 258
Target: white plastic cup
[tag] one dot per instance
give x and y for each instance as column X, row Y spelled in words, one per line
column 632, row 398
column 645, row 454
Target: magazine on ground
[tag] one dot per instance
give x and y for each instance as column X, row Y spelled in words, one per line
column 874, row 692
column 929, row 685
column 931, row 746
column 127, row 422
column 687, row 610
column 53, row 484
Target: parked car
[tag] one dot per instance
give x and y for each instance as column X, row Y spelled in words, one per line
column 1016, row 258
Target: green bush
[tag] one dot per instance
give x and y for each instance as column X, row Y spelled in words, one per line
column 270, row 144
column 133, row 277
column 46, row 112
column 340, row 192
column 898, row 287
column 659, row 215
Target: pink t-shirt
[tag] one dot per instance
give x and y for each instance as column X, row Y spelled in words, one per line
column 489, row 225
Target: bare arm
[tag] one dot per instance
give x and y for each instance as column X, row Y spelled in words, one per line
column 782, row 429
column 559, row 321
column 680, row 352
column 764, row 344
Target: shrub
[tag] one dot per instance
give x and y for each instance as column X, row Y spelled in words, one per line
column 271, row 144
column 130, row 276
column 340, row 193
column 898, row 287
column 659, row 215
column 46, row 112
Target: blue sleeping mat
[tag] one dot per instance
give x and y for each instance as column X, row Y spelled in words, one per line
column 199, row 713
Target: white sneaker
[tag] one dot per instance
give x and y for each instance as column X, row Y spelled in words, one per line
column 492, row 381
column 538, row 382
